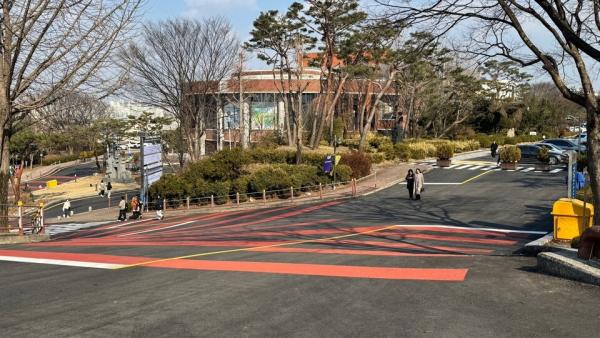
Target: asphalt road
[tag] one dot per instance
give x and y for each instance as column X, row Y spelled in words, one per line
column 378, row 266
column 82, row 205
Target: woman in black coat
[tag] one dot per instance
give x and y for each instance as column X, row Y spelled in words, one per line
column 410, row 183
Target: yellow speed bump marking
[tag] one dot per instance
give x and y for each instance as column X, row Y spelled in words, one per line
column 256, row 247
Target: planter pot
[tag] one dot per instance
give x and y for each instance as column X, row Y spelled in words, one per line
column 443, row 163
column 508, row 165
column 542, row 167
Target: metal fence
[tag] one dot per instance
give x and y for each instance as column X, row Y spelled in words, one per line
column 24, row 218
column 292, row 194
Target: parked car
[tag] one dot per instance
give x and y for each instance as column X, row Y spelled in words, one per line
column 565, row 144
column 530, row 152
column 550, row 146
column 582, row 138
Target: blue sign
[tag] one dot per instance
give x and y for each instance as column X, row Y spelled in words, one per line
column 328, row 164
column 573, row 179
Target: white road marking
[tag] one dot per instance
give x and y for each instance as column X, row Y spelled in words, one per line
column 489, row 168
column 465, row 166
column 526, row 170
column 452, row 166
column 151, row 230
column 60, row 262
column 476, row 167
column 556, row 171
column 55, row 229
column 441, row 183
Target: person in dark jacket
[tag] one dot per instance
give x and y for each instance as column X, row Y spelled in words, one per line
column 159, row 208
column 410, row 183
column 494, row 149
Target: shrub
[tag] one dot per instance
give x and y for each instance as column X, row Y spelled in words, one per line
column 270, row 139
column 402, row 151
column 543, row 156
column 57, row 158
column 378, row 141
column 170, row 187
column 343, row 173
column 388, row 150
column 510, row 141
column 510, row 154
column 359, row 162
column 241, row 186
column 378, row 157
column 445, row 151
column 270, row 178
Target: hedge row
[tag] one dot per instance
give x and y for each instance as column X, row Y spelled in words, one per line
column 249, row 172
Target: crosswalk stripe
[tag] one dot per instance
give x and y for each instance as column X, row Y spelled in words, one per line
column 519, row 168
column 464, row 166
column 452, row 166
column 526, row 170
column 556, row 171
column 489, row 168
column 476, row 167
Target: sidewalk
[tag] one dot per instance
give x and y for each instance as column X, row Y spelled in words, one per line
column 387, row 175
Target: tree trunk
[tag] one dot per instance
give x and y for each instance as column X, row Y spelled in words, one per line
column 330, row 110
column 4, row 179
column 593, row 153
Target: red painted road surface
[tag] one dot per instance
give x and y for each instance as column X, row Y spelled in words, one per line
column 319, row 241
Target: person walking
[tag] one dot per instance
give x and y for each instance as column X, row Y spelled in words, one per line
column 419, row 184
column 108, row 189
column 102, row 188
column 494, row 149
column 159, row 208
column 410, row 183
column 67, row 209
column 122, row 209
column 135, row 208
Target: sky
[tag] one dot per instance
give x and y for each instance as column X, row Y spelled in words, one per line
column 241, row 14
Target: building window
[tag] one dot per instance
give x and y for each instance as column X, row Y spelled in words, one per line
column 263, row 111
column 231, row 118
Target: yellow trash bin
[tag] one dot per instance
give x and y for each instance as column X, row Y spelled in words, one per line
column 568, row 218
column 51, row 184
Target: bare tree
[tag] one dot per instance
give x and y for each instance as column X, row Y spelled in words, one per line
column 49, row 48
column 70, row 111
column 178, row 66
column 499, row 29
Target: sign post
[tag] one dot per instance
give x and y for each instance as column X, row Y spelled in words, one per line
column 572, row 175
column 151, row 167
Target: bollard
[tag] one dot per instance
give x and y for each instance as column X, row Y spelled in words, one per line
column 20, row 204
column 264, row 196
column 292, row 194
column 320, row 190
column 353, row 187
column 75, row 178
column 212, row 201
column 164, row 205
column 109, row 202
column 90, row 208
column 375, row 180
column 71, row 213
column 96, row 186
column 237, row 198
column 187, row 203
column 42, row 218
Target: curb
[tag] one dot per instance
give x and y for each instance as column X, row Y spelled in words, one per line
column 539, row 245
column 565, row 264
column 18, row 239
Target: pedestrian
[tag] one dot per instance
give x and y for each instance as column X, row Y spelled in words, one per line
column 67, row 209
column 102, row 188
column 122, row 209
column 498, row 161
column 159, row 208
column 494, row 148
column 410, row 183
column 419, row 184
column 579, row 180
column 108, row 189
column 135, row 208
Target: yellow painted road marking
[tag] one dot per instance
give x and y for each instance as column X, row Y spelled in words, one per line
column 257, row 247
column 476, row 177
